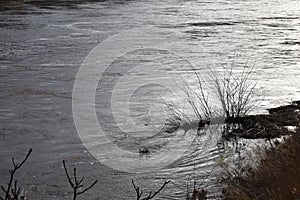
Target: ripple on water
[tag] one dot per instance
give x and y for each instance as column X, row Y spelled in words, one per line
column 44, row 43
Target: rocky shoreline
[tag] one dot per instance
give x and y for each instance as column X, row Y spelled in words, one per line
column 280, row 121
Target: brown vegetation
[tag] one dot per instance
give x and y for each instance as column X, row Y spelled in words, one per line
column 276, row 177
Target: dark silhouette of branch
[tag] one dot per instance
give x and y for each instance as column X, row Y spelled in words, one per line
column 139, row 192
column 12, row 192
column 77, row 183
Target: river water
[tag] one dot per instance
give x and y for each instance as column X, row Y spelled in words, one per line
column 44, row 45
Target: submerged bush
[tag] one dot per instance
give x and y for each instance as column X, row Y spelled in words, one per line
column 234, row 91
column 225, row 93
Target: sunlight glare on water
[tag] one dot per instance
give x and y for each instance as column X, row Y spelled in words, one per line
column 43, row 46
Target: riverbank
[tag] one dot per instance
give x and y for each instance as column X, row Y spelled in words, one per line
column 280, row 121
column 277, row 176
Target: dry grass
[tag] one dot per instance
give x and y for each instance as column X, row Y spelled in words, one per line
column 276, row 177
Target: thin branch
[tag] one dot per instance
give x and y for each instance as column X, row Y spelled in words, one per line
column 67, row 174
column 77, row 184
column 151, row 195
column 13, row 193
column 89, row 187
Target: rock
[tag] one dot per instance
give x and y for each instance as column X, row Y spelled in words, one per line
column 144, row 150
column 265, row 126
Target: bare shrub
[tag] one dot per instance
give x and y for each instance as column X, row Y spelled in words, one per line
column 235, row 92
column 198, row 98
column 13, row 191
column 176, row 116
column 226, row 93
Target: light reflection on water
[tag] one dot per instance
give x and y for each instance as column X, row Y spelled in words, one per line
column 42, row 46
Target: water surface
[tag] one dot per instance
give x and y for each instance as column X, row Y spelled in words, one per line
column 43, row 46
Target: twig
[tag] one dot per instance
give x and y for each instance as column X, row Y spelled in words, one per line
column 12, row 191
column 77, row 184
column 139, row 192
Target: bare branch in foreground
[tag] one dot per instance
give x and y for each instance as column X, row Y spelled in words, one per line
column 139, row 192
column 77, row 183
column 12, row 192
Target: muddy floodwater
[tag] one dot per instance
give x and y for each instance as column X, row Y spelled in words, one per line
column 150, row 46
